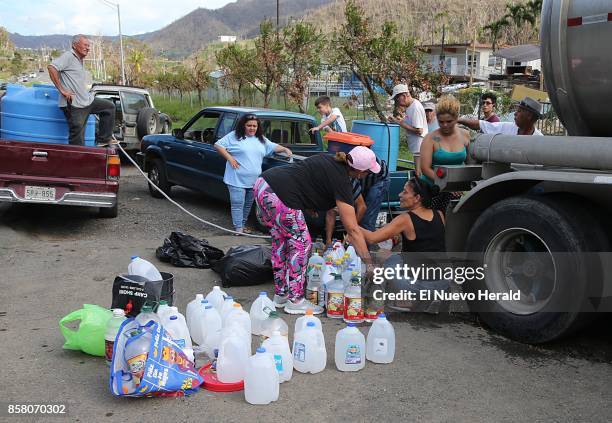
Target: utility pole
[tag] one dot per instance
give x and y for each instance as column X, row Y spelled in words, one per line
column 277, row 15
column 116, row 5
column 442, row 55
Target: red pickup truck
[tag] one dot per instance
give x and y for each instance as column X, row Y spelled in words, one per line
column 32, row 172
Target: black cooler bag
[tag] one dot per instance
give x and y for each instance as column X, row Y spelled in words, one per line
column 130, row 292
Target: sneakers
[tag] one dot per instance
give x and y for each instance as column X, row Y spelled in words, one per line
column 280, row 300
column 301, row 307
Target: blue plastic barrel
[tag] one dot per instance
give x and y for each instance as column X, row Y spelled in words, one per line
column 32, row 114
column 386, row 139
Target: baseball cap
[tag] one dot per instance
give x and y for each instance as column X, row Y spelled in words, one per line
column 364, row 159
column 532, row 106
column 399, row 89
column 429, row 106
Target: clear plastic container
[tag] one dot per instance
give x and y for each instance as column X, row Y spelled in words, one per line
column 228, row 305
column 112, row 328
column 216, row 297
column 146, row 315
column 334, row 293
column 314, row 275
column 301, row 322
column 144, row 268
column 278, row 346
column 381, row 341
column 309, row 353
column 261, row 380
column 192, row 309
column 162, row 308
column 211, row 329
column 260, row 309
column 274, row 323
column 240, row 317
column 233, row 358
column 350, row 349
column 176, row 328
column 353, row 302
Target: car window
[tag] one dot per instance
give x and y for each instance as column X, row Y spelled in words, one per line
column 226, row 125
column 301, row 133
column 288, row 132
column 133, row 102
column 203, row 129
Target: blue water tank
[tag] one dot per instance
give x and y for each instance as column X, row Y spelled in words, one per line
column 386, row 139
column 32, row 114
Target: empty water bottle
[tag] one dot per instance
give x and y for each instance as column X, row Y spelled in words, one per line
column 381, row 341
column 216, row 297
column 309, row 353
column 278, row 346
column 350, row 349
column 260, row 309
column 142, row 267
column 261, row 380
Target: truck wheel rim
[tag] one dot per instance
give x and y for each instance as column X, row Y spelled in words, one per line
column 152, row 124
column 154, row 176
column 517, row 259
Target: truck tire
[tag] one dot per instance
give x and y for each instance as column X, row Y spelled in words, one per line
column 554, row 278
column 147, row 122
column 157, row 174
column 109, row 212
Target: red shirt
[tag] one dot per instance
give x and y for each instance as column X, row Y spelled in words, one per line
column 492, row 118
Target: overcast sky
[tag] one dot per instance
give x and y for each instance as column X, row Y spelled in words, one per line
column 42, row 17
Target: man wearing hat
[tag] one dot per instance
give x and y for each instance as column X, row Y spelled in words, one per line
column 414, row 121
column 527, row 113
column 430, row 114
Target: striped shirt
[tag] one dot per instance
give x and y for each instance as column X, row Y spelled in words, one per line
column 373, row 178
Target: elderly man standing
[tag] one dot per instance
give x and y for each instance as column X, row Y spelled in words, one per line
column 69, row 75
column 526, row 116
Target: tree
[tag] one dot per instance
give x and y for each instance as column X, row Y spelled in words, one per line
column 234, row 61
column 494, row 29
column 302, row 46
column 268, row 68
column 17, row 65
column 198, row 75
column 137, row 62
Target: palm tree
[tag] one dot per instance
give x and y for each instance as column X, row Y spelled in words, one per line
column 494, row 29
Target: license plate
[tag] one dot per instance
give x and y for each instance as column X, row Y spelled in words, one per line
column 39, row 193
column 130, row 131
column 381, row 219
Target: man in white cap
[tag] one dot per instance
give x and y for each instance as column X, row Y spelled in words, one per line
column 527, row 113
column 430, row 113
column 414, row 121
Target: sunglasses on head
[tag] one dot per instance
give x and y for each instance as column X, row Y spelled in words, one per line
column 250, row 117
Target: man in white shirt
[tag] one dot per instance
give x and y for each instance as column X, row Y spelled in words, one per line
column 414, row 121
column 527, row 113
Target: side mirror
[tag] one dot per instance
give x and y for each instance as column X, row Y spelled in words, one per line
column 177, row 133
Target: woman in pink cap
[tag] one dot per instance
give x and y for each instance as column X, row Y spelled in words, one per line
column 283, row 194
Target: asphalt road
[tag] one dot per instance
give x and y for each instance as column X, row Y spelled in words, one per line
column 447, row 367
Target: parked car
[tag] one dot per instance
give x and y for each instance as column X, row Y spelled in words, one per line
column 187, row 156
column 135, row 114
column 33, row 75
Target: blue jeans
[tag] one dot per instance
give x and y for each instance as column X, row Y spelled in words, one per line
column 241, row 200
column 373, row 199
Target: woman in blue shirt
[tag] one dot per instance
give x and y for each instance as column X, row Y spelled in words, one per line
column 244, row 150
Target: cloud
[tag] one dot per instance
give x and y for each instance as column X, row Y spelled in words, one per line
column 40, row 17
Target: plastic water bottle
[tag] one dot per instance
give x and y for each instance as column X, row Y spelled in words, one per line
column 274, row 323
column 309, row 354
column 338, row 250
column 353, row 302
column 146, row 315
column 216, row 297
column 350, row 350
column 228, row 305
column 136, row 353
column 326, row 279
column 381, row 341
column 335, row 298
column 318, row 246
column 239, row 317
column 210, row 327
column 142, row 267
column 192, row 308
column 162, row 308
column 112, row 328
column 177, row 329
column 301, row 322
column 260, row 309
column 314, row 274
column 261, row 380
column 278, row 346
column 233, row 357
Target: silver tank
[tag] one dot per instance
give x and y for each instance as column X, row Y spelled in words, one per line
column 577, row 63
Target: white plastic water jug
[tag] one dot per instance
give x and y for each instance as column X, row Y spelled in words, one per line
column 278, row 346
column 216, row 297
column 274, row 323
column 162, row 308
column 142, row 267
column 260, row 309
column 146, row 314
column 240, row 317
column 326, row 278
column 261, row 380
column 239, row 331
column 233, row 357
column 228, row 305
column 381, row 341
column 350, row 349
column 309, row 354
column 301, row 322
column 211, row 321
column 177, row 329
column 192, row 307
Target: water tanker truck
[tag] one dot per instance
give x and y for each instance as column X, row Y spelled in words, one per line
column 536, row 209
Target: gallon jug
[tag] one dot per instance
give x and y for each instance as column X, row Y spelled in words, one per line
column 146, row 314
column 337, row 250
column 240, row 317
column 261, row 379
column 216, row 297
column 274, row 323
column 112, row 328
column 236, row 329
column 301, row 322
column 353, row 302
column 318, row 246
column 314, row 275
column 381, row 341
column 210, row 325
column 162, row 308
column 176, row 328
column 233, row 358
column 309, row 354
column 350, row 350
column 144, row 268
column 260, row 309
column 335, row 298
column 278, row 347
column 228, row 305
column 192, row 308
column 326, row 278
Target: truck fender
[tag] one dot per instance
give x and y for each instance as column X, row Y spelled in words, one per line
column 152, row 151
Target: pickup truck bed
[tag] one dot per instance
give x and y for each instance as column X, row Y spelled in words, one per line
column 59, row 174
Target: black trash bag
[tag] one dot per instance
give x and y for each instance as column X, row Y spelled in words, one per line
column 182, row 250
column 245, row 265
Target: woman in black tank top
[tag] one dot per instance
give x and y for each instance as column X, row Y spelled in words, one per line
column 421, row 228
